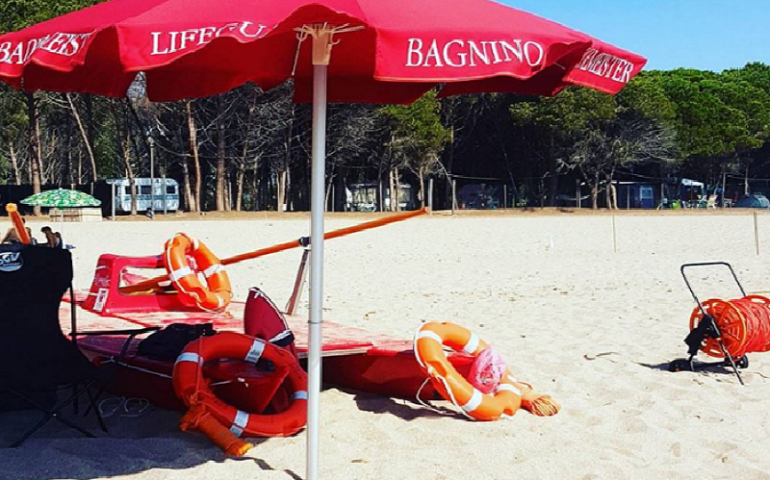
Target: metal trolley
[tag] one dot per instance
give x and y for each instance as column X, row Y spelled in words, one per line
column 705, row 327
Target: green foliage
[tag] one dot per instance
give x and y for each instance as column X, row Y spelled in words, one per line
column 417, row 133
column 719, row 115
column 18, row 14
column 572, row 111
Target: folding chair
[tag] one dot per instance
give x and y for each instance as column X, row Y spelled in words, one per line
column 36, row 360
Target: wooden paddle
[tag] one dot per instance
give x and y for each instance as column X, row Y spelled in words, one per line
column 18, row 223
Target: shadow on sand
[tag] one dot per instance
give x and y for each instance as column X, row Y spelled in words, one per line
column 404, row 409
column 58, row 452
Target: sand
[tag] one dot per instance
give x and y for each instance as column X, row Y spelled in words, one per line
column 594, row 328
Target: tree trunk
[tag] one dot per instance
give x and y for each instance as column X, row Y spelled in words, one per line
column 746, row 189
column 90, row 125
column 281, row 194
column 186, row 187
column 35, row 161
column 196, row 203
column 84, row 134
column 14, row 164
column 256, row 188
column 130, row 171
column 221, row 170
column 240, row 177
column 553, row 169
column 392, row 179
column 422, row 187
column 397, row 179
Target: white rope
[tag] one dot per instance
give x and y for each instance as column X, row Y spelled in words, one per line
column 165, row 375
column 426, row 405
column 129, row 407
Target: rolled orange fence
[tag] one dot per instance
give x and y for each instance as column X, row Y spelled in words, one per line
column 18, row 223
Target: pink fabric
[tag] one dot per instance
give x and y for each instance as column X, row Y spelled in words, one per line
column 487, row 370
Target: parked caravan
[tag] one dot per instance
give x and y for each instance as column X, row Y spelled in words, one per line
column 164, row 196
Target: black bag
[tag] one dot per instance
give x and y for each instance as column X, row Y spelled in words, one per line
column 167, row 344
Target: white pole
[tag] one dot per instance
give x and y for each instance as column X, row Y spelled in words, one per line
column 756, row 232
column 430, row 196
column 113, row 189
column 164, row 192
column 454, row 196
column 317, row 203
column 614, row 236
column 152, row 177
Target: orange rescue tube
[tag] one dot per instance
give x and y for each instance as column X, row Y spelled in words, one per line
column 217, row 293
column 18, row 223
column 199, row 419
column 509, row 395
column 194, row 391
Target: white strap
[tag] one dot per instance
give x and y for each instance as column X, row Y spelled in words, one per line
column 474, row 402
column 431, row 335
column 190, row 357
column 240, row 422
column 213, row 270
column 300, row 395
column 280, row 336
column 506, row 387
column 472, row 345
column 181, row 273
column 255, row 352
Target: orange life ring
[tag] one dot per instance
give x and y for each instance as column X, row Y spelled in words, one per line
column 190, row 386
column 217, row 292
column 509, row 395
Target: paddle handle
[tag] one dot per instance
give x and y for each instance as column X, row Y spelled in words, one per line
column 304, row 241
column 18, row 223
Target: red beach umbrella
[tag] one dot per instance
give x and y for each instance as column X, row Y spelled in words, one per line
column 393, row 51
column 376, row 51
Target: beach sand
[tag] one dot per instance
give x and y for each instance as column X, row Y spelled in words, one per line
column 594, row 328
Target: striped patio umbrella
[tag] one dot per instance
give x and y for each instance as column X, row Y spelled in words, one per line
column 61, row 198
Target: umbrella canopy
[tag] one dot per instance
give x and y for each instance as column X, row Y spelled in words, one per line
column 61, row 198
column 402, row 48
column 385, row 51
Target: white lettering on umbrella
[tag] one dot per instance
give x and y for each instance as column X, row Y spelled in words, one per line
column 433, row 53
column 606, row 65
column 476, row 53
column 448, row 57
column 460, row 53
column 515, row 49
column 529, row 49
column 60, row 43
column 165, row 43
column 5, row 52
column 415, row 44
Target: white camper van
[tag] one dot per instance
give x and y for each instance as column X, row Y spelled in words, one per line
column 164, row 196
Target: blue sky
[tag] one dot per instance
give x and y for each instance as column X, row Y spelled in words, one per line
column 704, row 34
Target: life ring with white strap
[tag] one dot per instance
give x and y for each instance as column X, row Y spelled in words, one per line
column 217, row 292
column 508, row 396
column 193, row 389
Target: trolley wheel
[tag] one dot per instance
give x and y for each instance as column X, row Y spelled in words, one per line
column 680, row 365
column 743, row 362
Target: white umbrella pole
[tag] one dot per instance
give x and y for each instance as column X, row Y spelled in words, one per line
column 317, row 204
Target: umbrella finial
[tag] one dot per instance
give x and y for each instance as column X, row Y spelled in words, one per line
column 323, row 41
